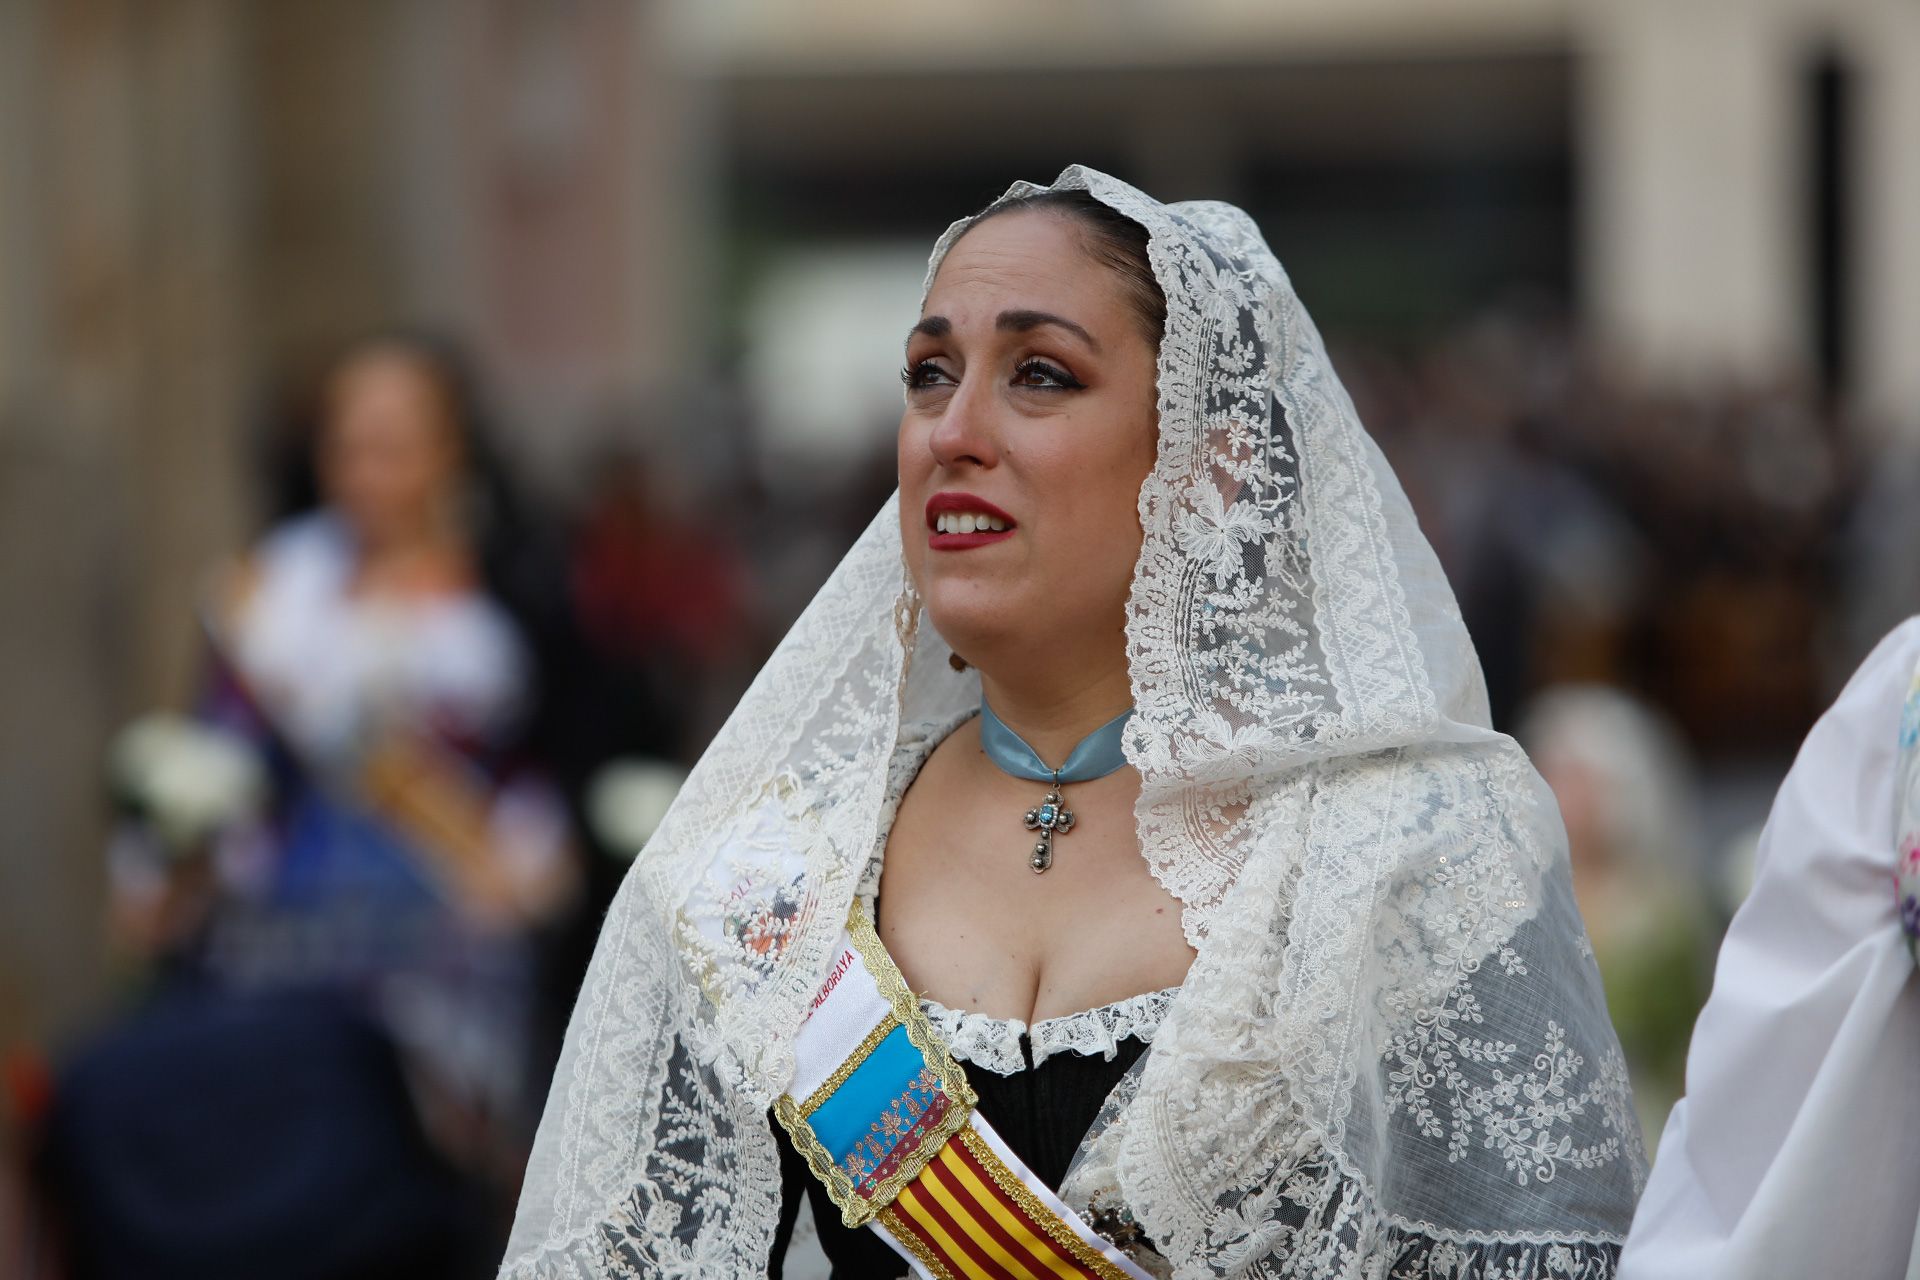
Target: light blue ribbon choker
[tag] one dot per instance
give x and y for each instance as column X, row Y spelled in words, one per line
column 1098, row 755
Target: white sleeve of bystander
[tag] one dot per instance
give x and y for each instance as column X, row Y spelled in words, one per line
column 1794, row 1152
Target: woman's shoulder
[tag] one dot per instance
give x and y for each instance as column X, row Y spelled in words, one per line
column 922, row 740
column 1871, row 718
column 1833, row 820
column 1890, row 665
column 1862, row 725
column 297, row 555
column 926, row 756
column 308, row 540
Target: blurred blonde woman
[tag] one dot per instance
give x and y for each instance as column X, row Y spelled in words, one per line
column 1624, row 783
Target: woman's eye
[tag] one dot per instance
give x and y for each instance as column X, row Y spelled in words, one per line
column 1040, row 374
column 923, row 373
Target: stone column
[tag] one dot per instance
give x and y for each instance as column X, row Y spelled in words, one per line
column 1693, row 239
column 539, row 166
column 120, row 305
column 1885, row 47
column 329, row 261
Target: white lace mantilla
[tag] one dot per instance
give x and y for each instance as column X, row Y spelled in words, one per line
column 1391, row 1058
column 994, row 1044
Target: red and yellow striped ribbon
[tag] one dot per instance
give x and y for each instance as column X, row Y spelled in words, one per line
column 969, row 1217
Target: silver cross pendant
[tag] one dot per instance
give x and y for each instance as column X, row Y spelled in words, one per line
column 1049, row 818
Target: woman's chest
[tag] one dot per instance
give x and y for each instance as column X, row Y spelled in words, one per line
column 973, row 927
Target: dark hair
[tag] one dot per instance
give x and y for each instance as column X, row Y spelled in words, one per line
column 1114, row 240
column 296, row 410
column 509, row 542
column 437, row 358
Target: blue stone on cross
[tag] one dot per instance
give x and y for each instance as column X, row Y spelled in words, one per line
column 1050, row 818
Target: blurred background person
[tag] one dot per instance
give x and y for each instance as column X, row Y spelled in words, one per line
column 665, row 601
column 350, row 848
column 374, row 648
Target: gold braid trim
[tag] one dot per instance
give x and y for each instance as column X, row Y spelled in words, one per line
column 839, row 1185
column 847, row 1068
column 1065, row 1237
column 857, row 1210
column 906, row 1007
column 892, row 1219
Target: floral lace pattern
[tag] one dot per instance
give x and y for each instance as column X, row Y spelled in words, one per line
column 993, row 1044
column 1391, row 1057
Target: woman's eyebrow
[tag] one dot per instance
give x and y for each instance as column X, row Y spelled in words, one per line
column 932, row 326
column 1007, row 322
column 1021, row 321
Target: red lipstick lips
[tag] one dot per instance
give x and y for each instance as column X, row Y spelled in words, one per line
column 965, row 504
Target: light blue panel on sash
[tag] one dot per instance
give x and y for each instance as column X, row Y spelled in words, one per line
column 889, row 1072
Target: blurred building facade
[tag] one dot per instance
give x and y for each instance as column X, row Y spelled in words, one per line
column 197, row 194
column 1720, row 187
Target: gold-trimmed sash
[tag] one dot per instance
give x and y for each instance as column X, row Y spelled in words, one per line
column 887, row 1123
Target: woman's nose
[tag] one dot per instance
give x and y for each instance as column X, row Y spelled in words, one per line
column 965, row 431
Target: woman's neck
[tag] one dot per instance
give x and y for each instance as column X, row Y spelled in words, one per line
column 1052, row 713
column 421, row 562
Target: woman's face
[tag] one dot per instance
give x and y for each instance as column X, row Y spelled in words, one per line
column 1030, row 403
column 389, row 456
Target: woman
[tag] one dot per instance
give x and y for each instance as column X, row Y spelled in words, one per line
column 361, row 654
column 1792, row 1153
column 342, row 1029
column 414, row 844
column 1142, row 716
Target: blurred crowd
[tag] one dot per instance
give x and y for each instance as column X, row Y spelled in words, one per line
column 353, row 888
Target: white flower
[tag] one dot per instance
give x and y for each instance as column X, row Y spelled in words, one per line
column 627, row 799
column 190, row 778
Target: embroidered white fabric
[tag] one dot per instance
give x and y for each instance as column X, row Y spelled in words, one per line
column 1391, row 1057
